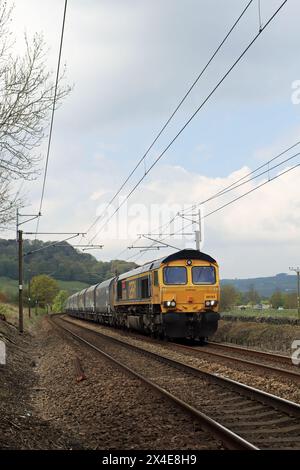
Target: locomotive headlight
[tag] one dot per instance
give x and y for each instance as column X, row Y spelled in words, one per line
column 170, row 303
column 210, row 303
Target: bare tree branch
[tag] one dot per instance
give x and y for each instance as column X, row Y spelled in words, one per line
column 26, row 99
column 9, row 202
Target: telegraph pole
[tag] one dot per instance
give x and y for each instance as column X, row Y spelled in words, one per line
column 297, row 270
column 20, row 255
column 20, row 259
column 198, row 232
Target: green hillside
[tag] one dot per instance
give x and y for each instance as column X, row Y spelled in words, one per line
column 10, row 286
column 72, row 269
column 265, row 286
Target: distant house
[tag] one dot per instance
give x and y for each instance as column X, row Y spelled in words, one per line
column 266, row 306
column 262, row 306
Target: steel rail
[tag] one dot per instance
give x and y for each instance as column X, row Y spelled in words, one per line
column 257, row 352
column 230, row 439
column 266, row 367
column 279, row 403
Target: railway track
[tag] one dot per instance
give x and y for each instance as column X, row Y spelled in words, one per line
column 241, row 355
column 265, row 362
column 275, row 357
column 240, row 416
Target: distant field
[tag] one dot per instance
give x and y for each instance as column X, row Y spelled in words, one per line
column 249, row 312
column 10, row 286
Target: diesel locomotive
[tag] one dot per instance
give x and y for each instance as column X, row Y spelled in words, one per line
column 173, row 297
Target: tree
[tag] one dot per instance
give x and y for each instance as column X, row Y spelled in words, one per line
column 253, row 296
column 43, row 290
column 9, row 201
column 290, row 300
column 229, row 297
column 277, row 299
column 26, row 93
column 244, row 298
column 59, row 301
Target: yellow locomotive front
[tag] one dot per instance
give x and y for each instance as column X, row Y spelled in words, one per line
column 188, row 292
column 189, row 286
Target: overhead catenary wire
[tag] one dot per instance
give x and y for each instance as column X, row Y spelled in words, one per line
column 244, row 194
column 192, row 117
column 227, row 189
column 52, row 115
column 252, row 190
column 256, row 187
column 232, row 188
column 235, row 184
column 172, row 115
column 51, row 245
column 125, row 249
column 259, row 15
column 140, row 236
column 235, row 199
column 137, row 256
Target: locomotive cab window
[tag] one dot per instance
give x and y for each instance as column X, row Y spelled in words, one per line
column 175, row 275
column 204, row 275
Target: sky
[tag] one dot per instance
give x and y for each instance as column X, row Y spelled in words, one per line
column 130, row 62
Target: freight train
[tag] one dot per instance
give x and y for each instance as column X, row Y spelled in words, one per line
column 173, row 297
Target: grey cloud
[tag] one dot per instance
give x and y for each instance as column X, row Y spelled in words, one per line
column 132, row 60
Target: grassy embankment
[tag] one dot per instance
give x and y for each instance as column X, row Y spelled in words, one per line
column 10, row 286
column 267, row 336
column 264, row 336
column 11, row 313
column 250, row 312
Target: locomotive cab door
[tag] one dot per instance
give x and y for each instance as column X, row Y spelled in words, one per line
column 149, row 285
